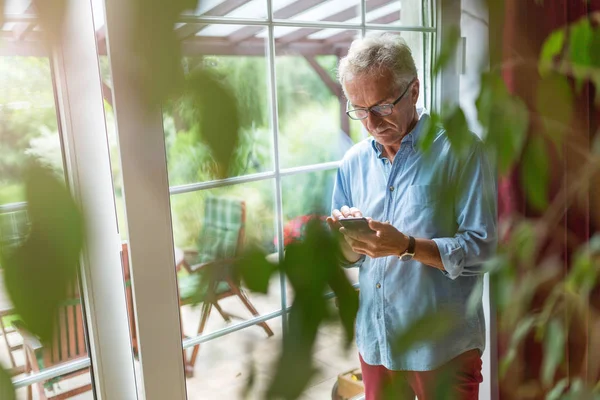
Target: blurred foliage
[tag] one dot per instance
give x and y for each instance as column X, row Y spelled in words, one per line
column 311, row 266
column 216, row 125
column 39, row 273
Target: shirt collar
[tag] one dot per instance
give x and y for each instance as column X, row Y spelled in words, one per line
column 411, row 137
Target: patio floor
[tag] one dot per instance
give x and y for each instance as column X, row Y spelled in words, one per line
column 223, row 365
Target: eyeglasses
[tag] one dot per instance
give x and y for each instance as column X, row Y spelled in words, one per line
column 381, row 110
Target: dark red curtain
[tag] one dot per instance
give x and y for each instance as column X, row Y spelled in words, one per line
column 523, row 25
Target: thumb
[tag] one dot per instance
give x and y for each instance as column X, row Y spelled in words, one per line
column 377, row 225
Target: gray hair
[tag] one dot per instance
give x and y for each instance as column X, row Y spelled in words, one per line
column 376, row 54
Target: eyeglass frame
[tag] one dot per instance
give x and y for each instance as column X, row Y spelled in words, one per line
column 370, row 109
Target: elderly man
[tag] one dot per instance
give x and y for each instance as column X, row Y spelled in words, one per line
column 434, row 220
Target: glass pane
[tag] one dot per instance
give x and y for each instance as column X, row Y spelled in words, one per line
column 223, row 364
column 211, row 228
column 13, row 7
column 398, row 12
column 313, row 126
column 254, row 9
column 325, row 10
column 29, row 130
column 240, row 63
column 305, row 195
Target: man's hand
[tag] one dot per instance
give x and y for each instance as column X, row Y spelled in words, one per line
column 387, row 240
column 333, row 221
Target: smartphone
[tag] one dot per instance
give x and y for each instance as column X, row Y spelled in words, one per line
column 357, row 224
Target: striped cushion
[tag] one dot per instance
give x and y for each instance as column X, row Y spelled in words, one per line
column 223, row 220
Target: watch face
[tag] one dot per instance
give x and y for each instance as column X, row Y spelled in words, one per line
column 406, row 257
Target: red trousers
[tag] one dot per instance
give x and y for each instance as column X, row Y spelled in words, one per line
column 458, row 379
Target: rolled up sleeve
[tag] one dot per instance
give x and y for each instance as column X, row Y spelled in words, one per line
column 475, row 209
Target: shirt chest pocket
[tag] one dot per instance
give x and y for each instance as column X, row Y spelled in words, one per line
column 423, row 195
column 424, row 210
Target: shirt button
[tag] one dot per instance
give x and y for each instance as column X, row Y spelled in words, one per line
column 378, row 286
column 391, row 188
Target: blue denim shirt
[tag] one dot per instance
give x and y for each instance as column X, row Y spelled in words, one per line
column 435, row 195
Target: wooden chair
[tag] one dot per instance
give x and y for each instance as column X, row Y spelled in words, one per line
column 205, row 275
column 69, row 344
column 220, row 241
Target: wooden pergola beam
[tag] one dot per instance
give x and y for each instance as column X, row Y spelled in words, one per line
column 335, row 88
column 21, row 30
column 107, row 93
column 341, row 16
column 332, row 85
column 288, row 11
column 188, row 30
column 218, row 46
column 344, row 36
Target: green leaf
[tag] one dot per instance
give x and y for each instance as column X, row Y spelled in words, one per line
column 535, row 173
column 427, row 328
column 594, row 46
column 523, row 327
column 158, row 74
column 554, row 350
column 584, row 273
column 431, row 131
column 347, row 302
column 523, row 242
column 596, row 142
column 580, row 41
column 505, row 119
column 39, row 274
column 215, row 116
column 309, row 266
column 255, row 270
column 7, row 392
column 551, row 48
column 447, row 51
column 558, row 389
column 475, row 298
column 457, row 130
column 555, row 104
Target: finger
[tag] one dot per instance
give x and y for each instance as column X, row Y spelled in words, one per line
column 332, row 223
column 355, row 212
column 345, row 211
column 336, row 214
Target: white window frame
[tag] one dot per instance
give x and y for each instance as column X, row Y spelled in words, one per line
column 153, row 284
column 147, row 197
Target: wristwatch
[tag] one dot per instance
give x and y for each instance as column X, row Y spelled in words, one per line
column 409, row 253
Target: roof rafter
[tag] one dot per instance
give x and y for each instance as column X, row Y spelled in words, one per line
column 342, row 16
column 344, row 35
column 21, row 30
column 220, row 10
column 288, row 11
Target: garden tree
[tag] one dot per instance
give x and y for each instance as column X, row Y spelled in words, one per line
column 545, row 276
column 27, row 110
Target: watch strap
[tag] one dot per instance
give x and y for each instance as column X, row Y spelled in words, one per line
column 410, row 251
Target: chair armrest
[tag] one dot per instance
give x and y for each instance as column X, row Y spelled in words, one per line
column 213, row 264
column 185, row 258
column 29, row 340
